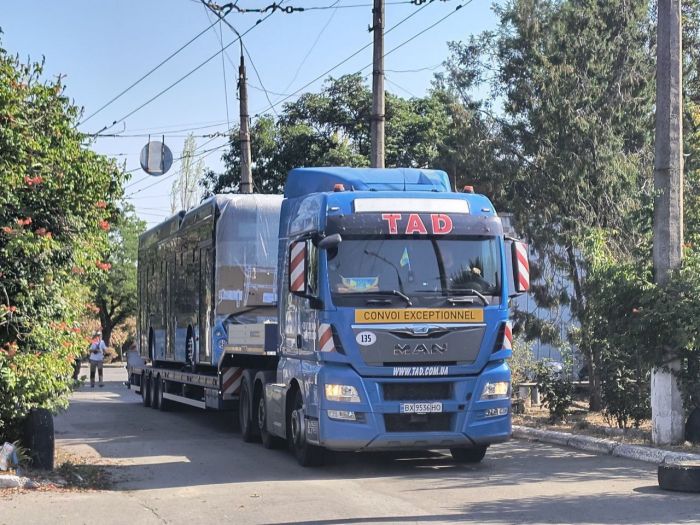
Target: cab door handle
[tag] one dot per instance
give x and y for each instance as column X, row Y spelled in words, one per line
column 299, row 341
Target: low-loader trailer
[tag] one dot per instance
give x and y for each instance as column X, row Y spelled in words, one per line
column 367, row 309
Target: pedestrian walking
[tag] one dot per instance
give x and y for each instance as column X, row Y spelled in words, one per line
column 97, row 357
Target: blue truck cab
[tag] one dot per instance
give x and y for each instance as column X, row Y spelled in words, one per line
column 393, row 316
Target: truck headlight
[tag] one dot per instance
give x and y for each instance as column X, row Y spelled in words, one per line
column 496, row 390
column 345, row 393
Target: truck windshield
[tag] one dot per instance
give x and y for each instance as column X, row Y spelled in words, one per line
column 363, row 269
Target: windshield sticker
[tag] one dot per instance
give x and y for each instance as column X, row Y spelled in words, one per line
column 359, row 284
column 440, row 223
column 403, row 371
column 405, row 260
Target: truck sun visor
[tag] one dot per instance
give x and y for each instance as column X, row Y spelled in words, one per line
column 414, row 205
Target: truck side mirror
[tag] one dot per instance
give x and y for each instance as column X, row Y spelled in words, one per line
column 330, row 242
column 297, row 268
column 521, row 267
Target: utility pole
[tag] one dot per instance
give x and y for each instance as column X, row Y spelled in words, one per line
column 666, row 402
column 246, row 172
column 377, row 125
column 246, row 185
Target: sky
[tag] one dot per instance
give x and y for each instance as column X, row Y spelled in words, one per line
column 101, row 47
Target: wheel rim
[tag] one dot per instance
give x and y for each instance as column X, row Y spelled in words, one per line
column 190, row 350
column 297, row 426
column 261, row 415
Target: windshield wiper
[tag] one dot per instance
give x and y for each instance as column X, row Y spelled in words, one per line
column 398, row 274
column 381, row 292
column 470, row 291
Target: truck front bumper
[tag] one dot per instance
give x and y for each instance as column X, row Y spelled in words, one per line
column 465, row 420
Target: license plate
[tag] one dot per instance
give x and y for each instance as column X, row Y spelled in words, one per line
column 420, row 408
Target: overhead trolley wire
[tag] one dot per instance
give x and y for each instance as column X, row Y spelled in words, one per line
column 185, row 76
column 423, row 5
column 146, row 75
column 313, row 46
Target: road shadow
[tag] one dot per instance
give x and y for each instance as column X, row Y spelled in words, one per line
column 602, row 508
column 148, row 449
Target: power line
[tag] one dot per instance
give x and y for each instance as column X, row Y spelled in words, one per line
column 169, row 135
column 190, row 127
column 149, row 73
column 188, row 74
column 202, row 154
column 244, row 48
column 418, row 70
column 313, row 46
column 273, row 7
column 257, row 74
column 223, row 61
column 400, row 87
column 425, row 4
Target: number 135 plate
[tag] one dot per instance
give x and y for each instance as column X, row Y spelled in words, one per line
column 420, row 408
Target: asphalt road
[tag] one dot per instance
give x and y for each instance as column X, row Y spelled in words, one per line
column 189, row 467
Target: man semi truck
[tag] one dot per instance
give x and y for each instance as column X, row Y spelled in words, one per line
column 367, row 310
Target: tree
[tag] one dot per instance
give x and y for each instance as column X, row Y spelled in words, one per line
column 56, row 200
column 332, row 128
column 115, row 292
column 575, row 82
column 184, row 192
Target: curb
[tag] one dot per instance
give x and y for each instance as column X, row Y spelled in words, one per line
column 603, row 446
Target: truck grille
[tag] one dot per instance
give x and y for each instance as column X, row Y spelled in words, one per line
column 417, row 391
column 418, row 422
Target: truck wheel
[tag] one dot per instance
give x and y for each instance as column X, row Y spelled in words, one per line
column 268, row 440
column 146, row 389
column 163, row 404
column 681, row 477
column 155, row 392
column 469, row 455
column 249, row 429
column 307, row 455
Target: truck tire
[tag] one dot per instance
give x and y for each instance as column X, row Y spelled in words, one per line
column 268, row 440
column 146, row 389
column 680, row 477
column 39, row 438
column 469, row 455
column 307, row 455
column 163, row 404
column 155, row 394
column 249, row 428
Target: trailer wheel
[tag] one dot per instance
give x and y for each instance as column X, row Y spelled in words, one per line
column 268, row 440
column 163, row 404
column 307, row 455
column 146, row 389
column 249, row 429
column 155, row 392
column 468, row 455
column 681, row 477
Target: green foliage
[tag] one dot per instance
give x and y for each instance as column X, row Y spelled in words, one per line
column 30, row 380
column 55, row 203
column 332, row 128
column 115, row 291
column 522, row 363
column 575, row 82
column 556, row 389
column 636, row 323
